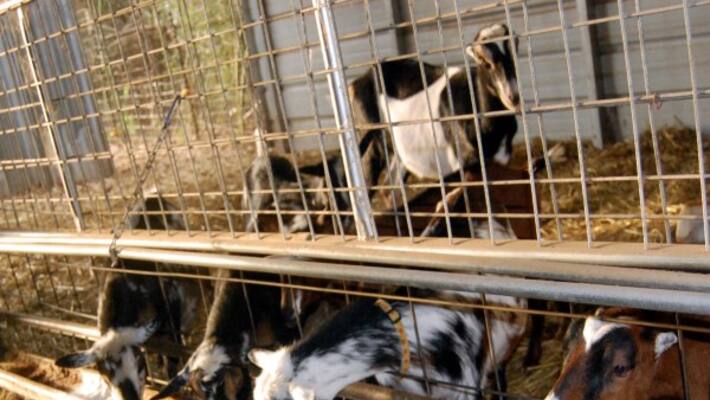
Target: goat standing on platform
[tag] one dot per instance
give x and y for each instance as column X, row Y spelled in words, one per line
column 407, row 98
column 133, row 308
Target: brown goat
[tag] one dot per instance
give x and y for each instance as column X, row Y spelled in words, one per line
column 613, row 360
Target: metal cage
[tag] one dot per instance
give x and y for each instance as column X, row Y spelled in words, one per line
column 619, row 88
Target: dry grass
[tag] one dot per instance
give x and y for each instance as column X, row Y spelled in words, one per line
column 678, row 155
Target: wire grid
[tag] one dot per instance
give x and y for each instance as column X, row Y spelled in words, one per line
column 135, row 68
column 139, row 54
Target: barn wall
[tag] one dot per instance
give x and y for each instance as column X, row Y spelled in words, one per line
column 664, row 34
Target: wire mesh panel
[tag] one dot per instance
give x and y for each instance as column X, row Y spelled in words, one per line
column 418, row 199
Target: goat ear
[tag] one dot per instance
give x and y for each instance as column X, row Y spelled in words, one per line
column 76, row 360
column 664, row 341
column 233, row 382
column 298, row 392
column 480, row 53
column 261, row 357
column 174, row 385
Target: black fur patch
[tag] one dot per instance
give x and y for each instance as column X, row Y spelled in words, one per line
column 444, row 357
column 376, row 337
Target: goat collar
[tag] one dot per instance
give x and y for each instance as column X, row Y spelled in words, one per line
column 396, row 319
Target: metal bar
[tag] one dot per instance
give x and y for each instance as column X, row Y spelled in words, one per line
column 609, row 295
column 364, row 221
column 696, row 121
column 30, row 389
column 364, row 391
column 589, row 51
column 634, row 125
column 685, row 301
column 681, row 257
column 575, row 118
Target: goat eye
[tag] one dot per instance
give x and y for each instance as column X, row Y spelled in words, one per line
column 621, row 370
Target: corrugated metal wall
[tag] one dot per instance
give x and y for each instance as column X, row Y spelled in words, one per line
column 664, row 34
column 55, row 120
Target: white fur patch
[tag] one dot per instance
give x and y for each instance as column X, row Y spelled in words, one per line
column 595, row 329
column 493, row 31
column 502, row 156
column 115, row 339
column 481, row 231
column 129, row 371
column 551, row 396
column 91, row 387
column 664, row 341
column 209, row 358
column 415, row 143
column 276, row 372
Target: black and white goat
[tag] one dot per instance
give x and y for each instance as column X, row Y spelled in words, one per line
column 133, row 308
column 258, row 186
column 418, row 145
column 362, row 341
column 371, row 148
column 259, row 191
column 216, row 370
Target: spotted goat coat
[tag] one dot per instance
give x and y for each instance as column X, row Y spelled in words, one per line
column 360, row 341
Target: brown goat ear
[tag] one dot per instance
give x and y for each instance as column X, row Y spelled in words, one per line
column 233, row 381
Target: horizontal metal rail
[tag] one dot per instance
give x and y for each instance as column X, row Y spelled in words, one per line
column 30, row 389
column 656, row 290
column 431, row 252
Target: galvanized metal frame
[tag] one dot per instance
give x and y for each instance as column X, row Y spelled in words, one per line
column 669, row 278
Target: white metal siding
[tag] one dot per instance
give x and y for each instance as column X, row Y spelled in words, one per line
column 664, row 34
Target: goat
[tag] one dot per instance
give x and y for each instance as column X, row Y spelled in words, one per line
column 615, row 360
column 132, row 308
column 503, row 198
column 215, row 371
column 258, row 196
column 418, row 145
column 372, row 152
column 362, row 340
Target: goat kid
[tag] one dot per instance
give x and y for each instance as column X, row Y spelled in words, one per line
column 407, row 98
column 259, row 197
column 614, row 360
column 216, row 371
column 362, row 341
column 372, row 153
column 132, row 308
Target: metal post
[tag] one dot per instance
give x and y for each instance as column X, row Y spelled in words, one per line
column 350, row 152
column 591, row 59
column 56, row 149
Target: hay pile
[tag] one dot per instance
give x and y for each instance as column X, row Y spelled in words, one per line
column 45, row 373
column 677, row 149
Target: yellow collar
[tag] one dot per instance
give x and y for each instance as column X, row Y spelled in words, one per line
column 396, row 319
